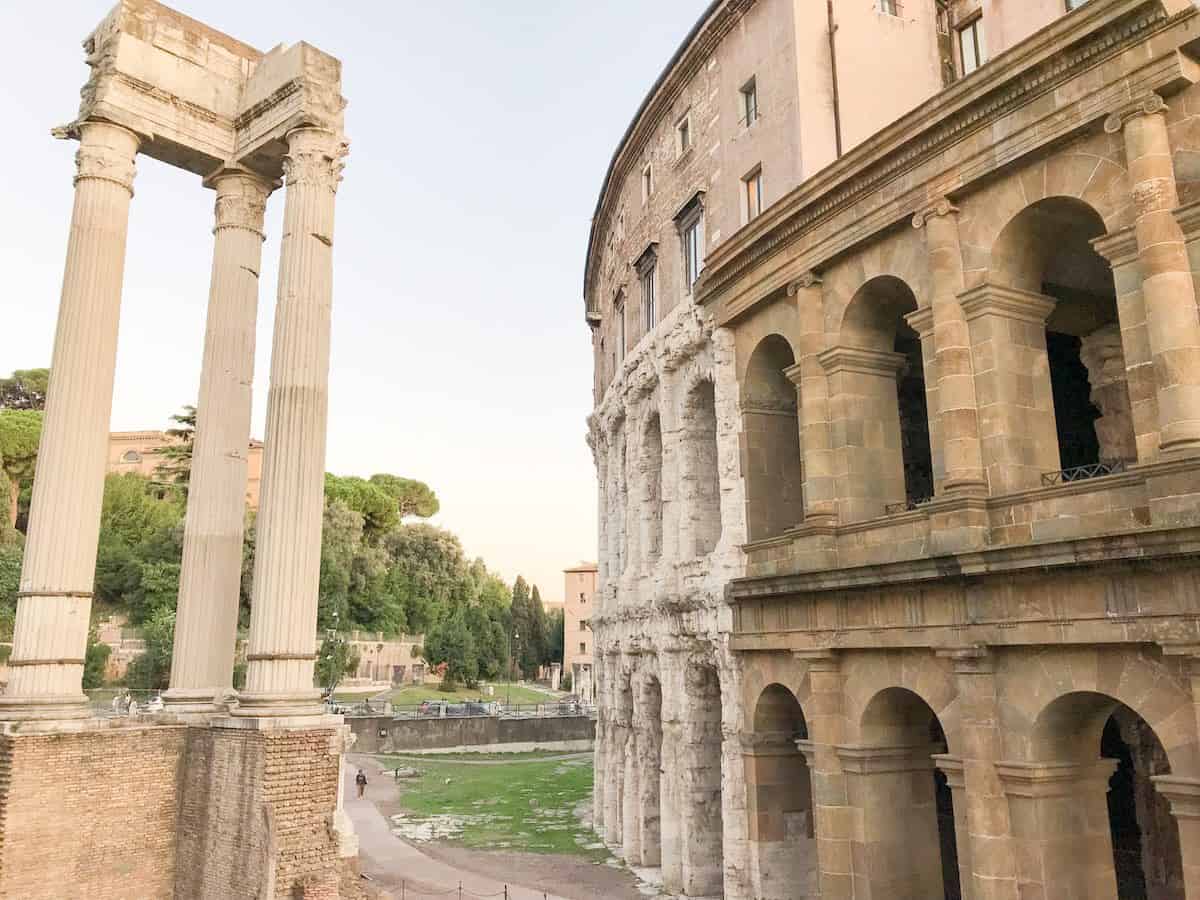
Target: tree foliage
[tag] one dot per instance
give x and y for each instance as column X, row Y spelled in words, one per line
column 335, row 660
column 20, row 433
column 24, row 389
column 176, row 455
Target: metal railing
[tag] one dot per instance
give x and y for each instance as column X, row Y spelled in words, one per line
column 1082, row 473
column 907, row 506
column 439, row 709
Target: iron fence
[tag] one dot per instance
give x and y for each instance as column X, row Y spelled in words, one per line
column 1082, row 473
column 439, row 709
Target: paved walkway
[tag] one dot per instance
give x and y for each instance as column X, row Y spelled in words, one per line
column 399, row 867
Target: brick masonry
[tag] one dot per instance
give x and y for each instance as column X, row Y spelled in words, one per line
column 89, row 814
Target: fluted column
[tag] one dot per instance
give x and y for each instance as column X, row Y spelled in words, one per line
column 50, row 637
column 1173, row 324
column 283, row 617
column 959, row 454
column 206, row 620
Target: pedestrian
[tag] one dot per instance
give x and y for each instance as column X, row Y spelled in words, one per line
column 133, row 708
column 361, row 780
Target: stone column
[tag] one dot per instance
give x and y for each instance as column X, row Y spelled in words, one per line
column 1184, row 796
column 1173, row 324
column 898, row 852
column 812, row 387
column 671, row 661
column 961, row 459
column 700, row 782
column 1018, row 434
column 614, row 775
column 600, row 755
column 648, row 730
column 50, row 636
column 631, row 807
column 1061, row 836
column 836, row 823
column 209, row 584
column 779, row 815
column 992, row 873
column 865, row 426
column 283, row 620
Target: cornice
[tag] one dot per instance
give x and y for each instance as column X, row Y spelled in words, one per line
column 714, row 24
column 1007, row 303
column 1075, row 43
column 860, row 361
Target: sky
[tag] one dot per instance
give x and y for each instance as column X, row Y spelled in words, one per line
column 480, row 132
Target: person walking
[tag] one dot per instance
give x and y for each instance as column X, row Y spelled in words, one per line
column 361, row 780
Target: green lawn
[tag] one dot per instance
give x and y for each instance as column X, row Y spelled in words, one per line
column 521, row 805
column 414, row 693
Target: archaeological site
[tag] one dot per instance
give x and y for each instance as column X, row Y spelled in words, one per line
column 209, row 799
column 896, row 426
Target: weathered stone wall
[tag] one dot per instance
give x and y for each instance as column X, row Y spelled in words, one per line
column 435, row 733
column 90, row 813
column 258, row 813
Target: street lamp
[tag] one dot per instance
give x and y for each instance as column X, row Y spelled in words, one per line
column 511, row 668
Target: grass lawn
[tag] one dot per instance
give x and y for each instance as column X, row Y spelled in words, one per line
column 356, row 694
column 521, row 805
column 415, row 693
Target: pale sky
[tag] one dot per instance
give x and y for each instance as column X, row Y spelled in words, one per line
column 480, row 132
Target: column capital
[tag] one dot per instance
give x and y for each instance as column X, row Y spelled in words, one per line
column 315, row 156
column 1120, row 248
column 1007, row 303
column 241, row 199
column 1183, row 794
column 820, row 660
column 1051, row 779
column 861, row 361
column 976, row 660
column 1149, row 104
column 106, row 153
column 866, row 760
column 767, row 743
column 804, row 282
column 921, row 321
column 952, row 768
column 935, row 209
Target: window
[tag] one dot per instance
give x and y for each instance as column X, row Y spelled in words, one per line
column 1075, row 4
column 890, row 7
column 582, row 647
column 619, row 314
column 752, row 188
column 583, row 625
column 649, row 314
column 647, row 182
column 972, row 51
column 750, row 102
column 683, row 134
column 131, row 456
column 690, row 222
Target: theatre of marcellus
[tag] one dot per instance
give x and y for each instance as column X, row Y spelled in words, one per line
column 220, row 796
column 897, row 432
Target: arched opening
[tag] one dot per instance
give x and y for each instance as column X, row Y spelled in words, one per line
column 1123, row 832
column 771, row 460
column 701, row 488
column 652, row 500
column 780, row 800
column 700, row 821
column 1046, row 249
column 909, row 813
column 650, row 759
column 880, row 409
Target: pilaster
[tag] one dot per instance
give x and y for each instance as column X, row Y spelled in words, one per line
column 812, row 386
column 1184, row 797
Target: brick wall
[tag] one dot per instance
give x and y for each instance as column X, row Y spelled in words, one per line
column 90, row 814
column 468, row 731
column 257, row 811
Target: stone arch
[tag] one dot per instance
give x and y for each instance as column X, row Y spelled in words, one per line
column 879, row 406
column 1112, row 828
column 771, row 455
column 651, row 471
column 908, row 808
column 1046, row 251
column 779, row 798
column 701, row 485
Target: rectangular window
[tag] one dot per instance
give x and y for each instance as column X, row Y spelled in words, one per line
column 1075, row 4
column 693, row 251
column 647, row 182
column 649, row 314
column 752, row 188
column 750, row 102
column 972, row 51
column 582, row 647
column 582, row 625
column 891, row 7
column 619, row 312
column 683, row 134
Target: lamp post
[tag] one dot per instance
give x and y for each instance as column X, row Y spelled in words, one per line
column 512, row 663
column 334, row 643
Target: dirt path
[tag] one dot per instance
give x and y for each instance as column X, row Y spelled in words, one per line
column 402, row 869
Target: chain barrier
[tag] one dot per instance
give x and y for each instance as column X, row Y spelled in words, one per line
column 434, row 892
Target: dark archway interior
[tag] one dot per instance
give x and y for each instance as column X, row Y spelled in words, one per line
column 652, row 459
column 1145, row 837
column 771, row 451
column 704, row 469
column 914, row 418
column 944, row 799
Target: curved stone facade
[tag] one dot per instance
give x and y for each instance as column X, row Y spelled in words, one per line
column 900, row 499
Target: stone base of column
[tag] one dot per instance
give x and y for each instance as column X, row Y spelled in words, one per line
column 302, row 707
column 196, row 703
column 45, row 709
